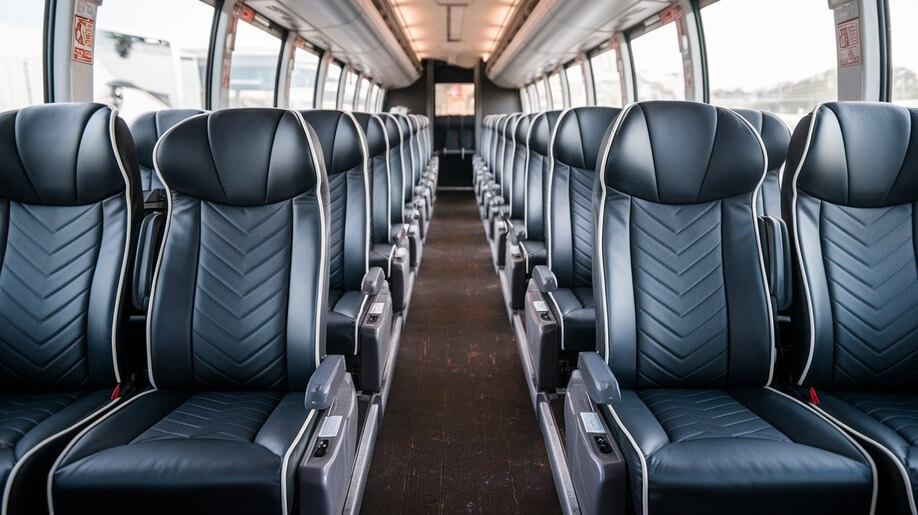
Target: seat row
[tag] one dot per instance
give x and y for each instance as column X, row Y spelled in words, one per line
column 189, row 307
column 675, row 239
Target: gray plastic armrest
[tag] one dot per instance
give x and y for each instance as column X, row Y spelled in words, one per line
column 545, row 279
column 600, row 382
column 373, row 281
column 494, row 188
column 324, row 382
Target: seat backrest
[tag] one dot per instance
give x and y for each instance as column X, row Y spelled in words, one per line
column 509, row 152
column 69, row 210
column 240, row 290
column 573, row 151
column 467, row 132
column 501, row 146
column 396, row 169
column 485, row 137
column 147, row 129
column 850, row 200
column 682, row 297
column 517, row 182
column 407, row 157
column 377, row 142
column 414, row 145
column 776, row 137
column 539, row 138
column 349, row 230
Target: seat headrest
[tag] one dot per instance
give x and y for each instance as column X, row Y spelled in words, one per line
column 374, row 130
column 773, row 131
column 65, row 154
column 149, row 127
column 859, row 154
column 542, row 126
column 579, row 134
column 522, row 129
column 338, row 131
column 682, row 153
column 392, row 131
column 240, row 157
column 405, row 125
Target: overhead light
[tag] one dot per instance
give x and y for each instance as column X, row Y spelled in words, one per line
column 454, row 16
column 397, row 6
column 503, row 26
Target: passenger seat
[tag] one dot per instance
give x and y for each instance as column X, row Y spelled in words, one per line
column 851, row 199
column 776, row 137
column 70, row 206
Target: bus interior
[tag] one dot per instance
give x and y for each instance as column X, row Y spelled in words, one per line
column 458, row 256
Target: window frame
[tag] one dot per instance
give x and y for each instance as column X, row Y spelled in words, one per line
column 267, row 26
column 300, row 43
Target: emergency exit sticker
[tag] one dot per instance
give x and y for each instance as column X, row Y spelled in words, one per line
column 83, row 34
column 849, row 43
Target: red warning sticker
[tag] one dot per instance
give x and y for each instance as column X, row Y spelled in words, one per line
column 83, row 35
column 849, row 43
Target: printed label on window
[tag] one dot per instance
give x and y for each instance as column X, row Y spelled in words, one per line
column 849, row 43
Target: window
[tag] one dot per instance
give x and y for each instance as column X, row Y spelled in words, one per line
column 253, row 68
column 534, row 99
column 607, row 82
column 373, row 99
column 787, row 75
column 20, row 54
column 524, row 100
column 332, row 79
column 363, row 90
column 544, row 104
column 150, row 55
column 575, row 84
column 350, row 88
column 557, row 94
column 658, row 63
column 456, row 98
column 381, row 100
column 903, row 42
column 303, row 79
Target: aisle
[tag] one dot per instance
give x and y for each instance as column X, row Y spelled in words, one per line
column 459, row 434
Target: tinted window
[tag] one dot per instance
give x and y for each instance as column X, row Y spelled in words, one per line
column 457, row 98
column 303, row 80
column 350, row 90
column 151, row 55
column 787, row 75
column 20, row 53
column 557, row 94
column 658, row 64
column 607, row 82
column 904, row 43
column 575, row 85
column 363, row 89
column 253, row 68
column 330, row 94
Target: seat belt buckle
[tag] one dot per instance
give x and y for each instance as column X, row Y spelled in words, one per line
column 116, row 392
column 814, row 399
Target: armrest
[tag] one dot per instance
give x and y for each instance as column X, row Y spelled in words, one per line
column 494, row 188
column 600, row 382
column 545, row 279
column 776, row 250
column 373, row 281
column 497, row 200
column 513, row 237
column 324, row 382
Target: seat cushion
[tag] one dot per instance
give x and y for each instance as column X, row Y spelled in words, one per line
column 343, row 312
column 889, row 420
column 210, row 452
column 535, row 254
column 749, row 450
column 578, row 318
column 28, row 419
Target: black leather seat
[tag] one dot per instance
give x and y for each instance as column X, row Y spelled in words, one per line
column 536, row 190
column 499, row 206
column 414, row 203
column 340, row 138
column 147, row 129
column 69, row 209
column 235, row 333
column 776, row 137
column 384, row 241
column 686, row 327
column 513, row 216
column 850, row 196
column 574, row 149
column 404, row 216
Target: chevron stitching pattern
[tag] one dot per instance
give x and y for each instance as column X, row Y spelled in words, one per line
column 696, row 414
column 869, row 256
column 45, row 280
column 239, row 324
column 20, row 413
column 337, row 194
column 897, row 411
column 581, row 201
column 679, row 293
column 216, row 416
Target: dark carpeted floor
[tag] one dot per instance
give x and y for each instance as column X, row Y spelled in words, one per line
column 459, row 435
